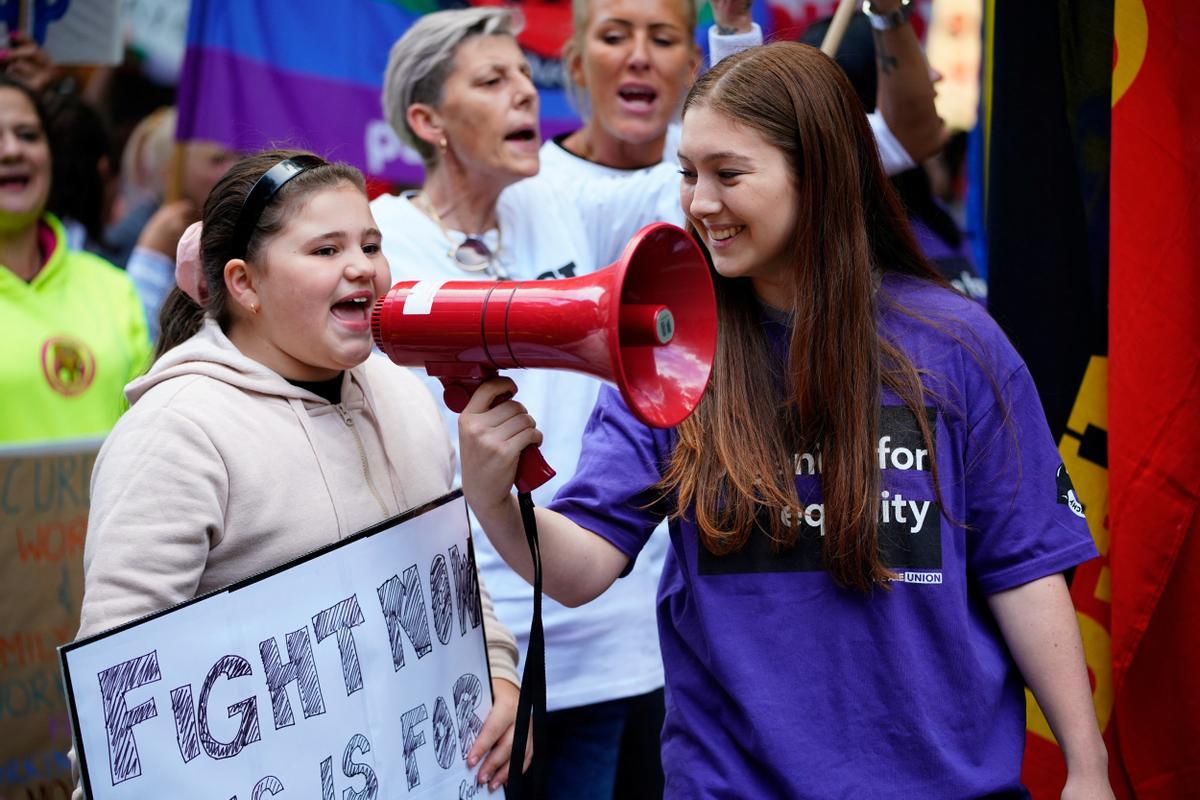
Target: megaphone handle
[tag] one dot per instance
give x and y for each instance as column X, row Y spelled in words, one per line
column 532, row 470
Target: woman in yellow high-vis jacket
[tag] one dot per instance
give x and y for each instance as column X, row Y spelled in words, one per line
column 73, row 330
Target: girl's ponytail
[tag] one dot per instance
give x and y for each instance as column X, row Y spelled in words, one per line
column 179, row 320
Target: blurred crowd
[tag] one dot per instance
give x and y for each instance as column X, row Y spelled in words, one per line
column 124, row 190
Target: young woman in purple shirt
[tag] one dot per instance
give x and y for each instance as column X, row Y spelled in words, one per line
column 869, row 519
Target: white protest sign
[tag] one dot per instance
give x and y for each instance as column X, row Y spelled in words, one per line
column 70, row 31
column 157, row 31
column 356, row 671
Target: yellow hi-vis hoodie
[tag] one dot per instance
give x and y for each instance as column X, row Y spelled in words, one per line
column 73, row 337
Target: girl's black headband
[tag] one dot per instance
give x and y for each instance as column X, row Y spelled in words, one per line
column 260, row 195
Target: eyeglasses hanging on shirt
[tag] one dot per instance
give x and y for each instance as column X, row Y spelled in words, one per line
column 472, row 254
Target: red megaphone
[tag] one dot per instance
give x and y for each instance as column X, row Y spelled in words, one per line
column 646, row 323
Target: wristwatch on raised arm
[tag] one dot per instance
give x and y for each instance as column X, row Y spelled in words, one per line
column 892, row 19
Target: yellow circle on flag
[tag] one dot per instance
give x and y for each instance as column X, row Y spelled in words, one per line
column 1132, row 34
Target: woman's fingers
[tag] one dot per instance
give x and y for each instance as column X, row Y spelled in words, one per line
column 496, row 737
column 514, row 426
column 488, row 393
column 502, row 431
column 495, row 734
column 502, row 441
column 494, row 770
column 490, row 444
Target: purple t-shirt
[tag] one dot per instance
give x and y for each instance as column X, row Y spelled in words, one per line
column 780, row 684
column 954, row 262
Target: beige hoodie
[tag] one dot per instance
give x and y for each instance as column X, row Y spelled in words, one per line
column 221, row 469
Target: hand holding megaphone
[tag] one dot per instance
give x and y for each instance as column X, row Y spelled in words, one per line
column 646, row 323
column 495, row 432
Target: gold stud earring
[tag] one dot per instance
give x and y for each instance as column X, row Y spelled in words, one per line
column 254, row 307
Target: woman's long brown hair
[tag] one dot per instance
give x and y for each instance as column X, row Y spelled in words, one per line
column 851, row 230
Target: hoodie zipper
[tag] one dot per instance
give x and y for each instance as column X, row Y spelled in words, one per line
column 362, row 456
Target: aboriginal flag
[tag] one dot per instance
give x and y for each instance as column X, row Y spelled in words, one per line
column 1100, row 294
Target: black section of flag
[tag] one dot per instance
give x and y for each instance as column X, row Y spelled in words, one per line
column 1047, row 189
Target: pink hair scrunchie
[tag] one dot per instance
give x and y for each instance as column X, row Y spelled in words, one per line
column 189, row 272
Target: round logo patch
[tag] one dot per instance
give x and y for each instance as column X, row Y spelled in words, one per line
column 68, row 365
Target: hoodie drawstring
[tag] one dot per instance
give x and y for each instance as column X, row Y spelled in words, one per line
column 347, row 418
column 301, row 413
column 393, row 473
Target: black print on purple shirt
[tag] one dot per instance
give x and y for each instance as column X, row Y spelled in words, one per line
column 910, row 529
column 901, row 446
column 300, row 669
column 1066, row 492
column 119, row 719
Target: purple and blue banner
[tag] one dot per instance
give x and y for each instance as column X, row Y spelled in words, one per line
column 307, row 74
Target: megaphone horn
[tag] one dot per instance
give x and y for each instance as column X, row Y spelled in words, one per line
column 646, row 323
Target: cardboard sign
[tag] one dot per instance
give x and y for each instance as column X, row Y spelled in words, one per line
column 43, row 518
column 356, row 671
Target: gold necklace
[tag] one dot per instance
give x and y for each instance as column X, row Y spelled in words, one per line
column 472, row 254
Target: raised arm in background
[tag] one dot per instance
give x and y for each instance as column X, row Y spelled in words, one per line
column 905, row 94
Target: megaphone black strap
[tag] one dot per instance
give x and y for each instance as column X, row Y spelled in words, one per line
column 531, row 703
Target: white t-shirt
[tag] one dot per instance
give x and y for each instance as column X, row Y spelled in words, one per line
column 893, row 155
column 607, row 649
column 561, row 167
column 561, row 170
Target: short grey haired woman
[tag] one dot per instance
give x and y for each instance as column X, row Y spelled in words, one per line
column 474, row 124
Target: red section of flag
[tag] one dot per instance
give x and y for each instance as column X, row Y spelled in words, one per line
column 547, row 24
column 1154, row 399
column 790, row 18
